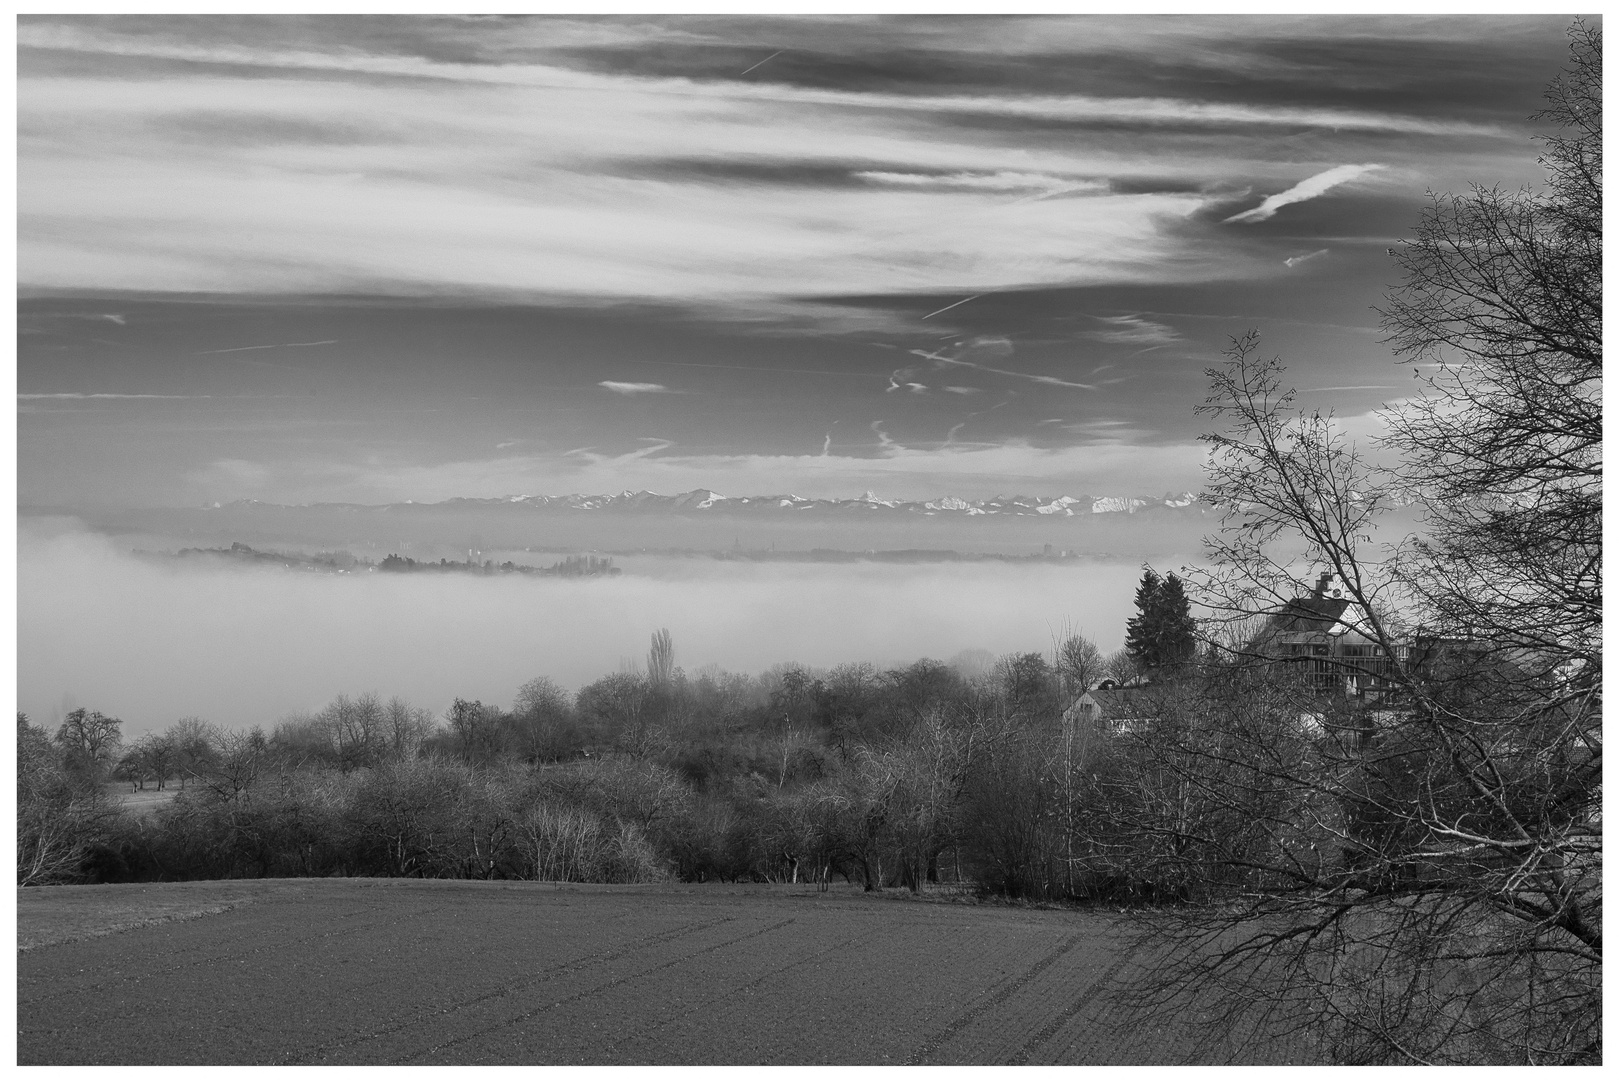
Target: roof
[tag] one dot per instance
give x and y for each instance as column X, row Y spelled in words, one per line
column 1124, row 702
column 1309, row 613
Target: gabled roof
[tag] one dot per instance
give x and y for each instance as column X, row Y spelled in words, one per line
column 1124, row 703
column 1309, row 613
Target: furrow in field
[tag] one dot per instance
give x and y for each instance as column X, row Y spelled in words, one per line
column 451, row 1044
column 748, row 1004
column 438, row 1011
column 964, row 1020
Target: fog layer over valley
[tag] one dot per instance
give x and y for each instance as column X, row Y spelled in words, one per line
column 150, row 641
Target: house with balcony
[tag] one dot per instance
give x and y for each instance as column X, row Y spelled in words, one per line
column 1316, row 638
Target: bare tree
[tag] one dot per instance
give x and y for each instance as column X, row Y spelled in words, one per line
column 1079, row 663
column 405, row 729
column 89, row 740
column 543, row 718
column 1503, row 291
column 476, row 729
column 193, row 740
column 1120, row 666
column 355, row 727
column 234, row 767
column 160, row 756
column 1418, row 868
column 60, row 813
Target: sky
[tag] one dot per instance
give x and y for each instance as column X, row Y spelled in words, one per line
column 370, row 259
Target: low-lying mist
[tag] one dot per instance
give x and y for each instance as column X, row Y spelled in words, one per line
column 101, row 628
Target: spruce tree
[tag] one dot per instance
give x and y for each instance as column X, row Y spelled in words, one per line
column 1163, row 631
column 1139, row 633
column 1177, row 630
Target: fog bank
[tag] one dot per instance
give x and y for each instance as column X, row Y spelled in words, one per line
column 149, row 642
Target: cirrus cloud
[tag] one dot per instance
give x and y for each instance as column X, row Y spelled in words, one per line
column 635, row 387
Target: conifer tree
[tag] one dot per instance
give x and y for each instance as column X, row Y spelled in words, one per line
column 1162, row 632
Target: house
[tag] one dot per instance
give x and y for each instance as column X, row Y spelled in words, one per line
column 1113, row 709
column 1316, row 637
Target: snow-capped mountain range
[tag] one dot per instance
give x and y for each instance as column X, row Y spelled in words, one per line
column 702, row 500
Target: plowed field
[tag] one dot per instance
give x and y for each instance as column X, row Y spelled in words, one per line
column 426, row 972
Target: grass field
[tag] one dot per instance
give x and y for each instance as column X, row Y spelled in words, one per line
column 142, row 803
column 365, row 971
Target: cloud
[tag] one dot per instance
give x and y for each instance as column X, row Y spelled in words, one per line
column 1071, row 107
column 1133, row 330
column 236, row 477
column 962, row 390
column 272, row 156
column 1297, row 259
column 635, row 387
column 1309, row 188
column 902, row 380
column 502, row 186
column 114, row 397
column 590, row 454
column 1040, row 183
column 1320, row 389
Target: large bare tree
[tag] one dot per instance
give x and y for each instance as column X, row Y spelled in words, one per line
column 1414, row 873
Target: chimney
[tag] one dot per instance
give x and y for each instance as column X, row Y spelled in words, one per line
column 1321, row 584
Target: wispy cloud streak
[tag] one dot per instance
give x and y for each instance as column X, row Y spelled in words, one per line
column 635, row 387
column 1310, row 188
column 111, row 397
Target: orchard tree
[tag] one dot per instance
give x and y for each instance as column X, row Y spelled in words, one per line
column 89, row 741
column 192, row 740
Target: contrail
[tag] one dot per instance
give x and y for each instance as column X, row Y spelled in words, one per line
column 252, row 348
column 947, row 307
column 765, row 61
column 1050, row 380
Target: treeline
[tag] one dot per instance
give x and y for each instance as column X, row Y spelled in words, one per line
column 884, row 778
column 572, row 566
column 343, row 562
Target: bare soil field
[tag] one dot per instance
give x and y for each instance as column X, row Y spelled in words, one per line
column 370, row 971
